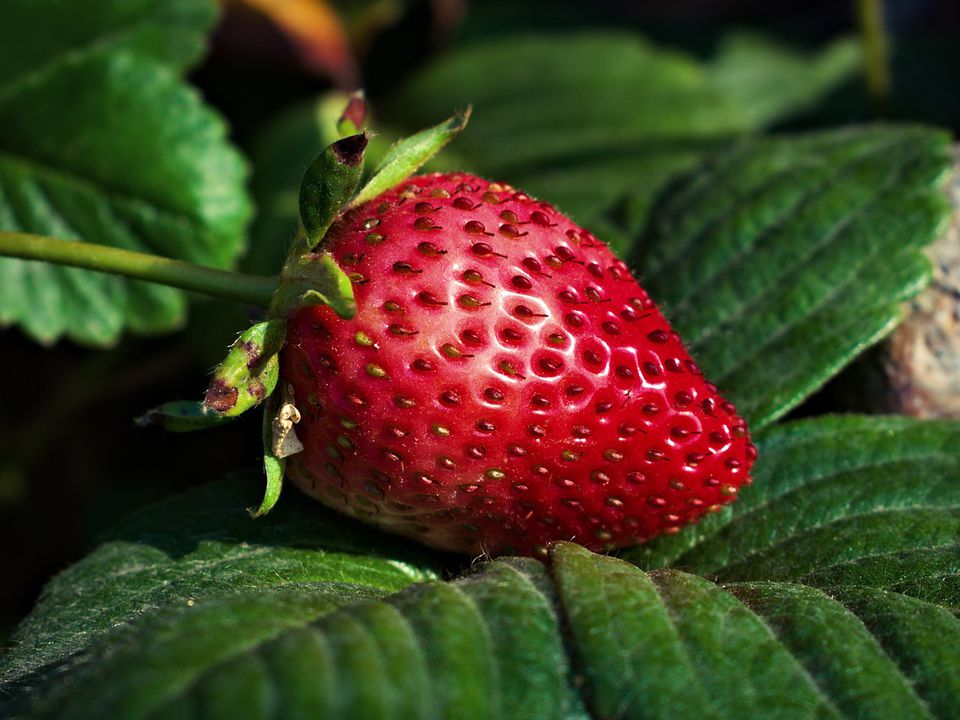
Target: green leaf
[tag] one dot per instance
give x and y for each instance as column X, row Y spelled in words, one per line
column 181, row 416
column 782, row 259
column 584, row 636
column 196, row 547
column 923, row 638
column 722, row 638
column 37, row 35
column 598, row 122
column 487, row 646
column 249, row 373
column 767, row 80
column 606, row 603
column 842, row 655
column 152, row 173
column 838, row 501
column 406, row 156
column 680, row 644
column 206, row 657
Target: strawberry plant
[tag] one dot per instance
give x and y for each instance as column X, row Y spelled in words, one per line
column 545, row 360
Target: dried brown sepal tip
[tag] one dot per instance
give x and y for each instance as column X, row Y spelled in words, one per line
column 349, row 150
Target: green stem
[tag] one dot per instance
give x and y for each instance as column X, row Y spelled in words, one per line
column 251, row 289
column 875, row 51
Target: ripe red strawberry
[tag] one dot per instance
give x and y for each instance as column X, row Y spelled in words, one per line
column 505, row 382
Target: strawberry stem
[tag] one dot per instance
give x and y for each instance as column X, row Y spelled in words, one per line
column 876, row 63
column 240, row 287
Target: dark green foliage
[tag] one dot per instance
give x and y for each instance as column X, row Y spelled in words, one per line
column 253, row 620
column 201, row 546
column 829, row 590
column 781, row 259
column 101, row 141
column 597, row 123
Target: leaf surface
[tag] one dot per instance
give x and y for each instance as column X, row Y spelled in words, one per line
column 781, row 259
column 101, row 141
column 597, row 122
column 582, row 636
column 838, row 501
column 37, row 35
column 203, row 545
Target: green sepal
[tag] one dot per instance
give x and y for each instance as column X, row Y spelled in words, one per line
column 406, row 156
column 182, row 416
column 273, row 466
column 329, row 184
column 280, row 441
column 312, row 279
column 249, row 373
column 354, row 115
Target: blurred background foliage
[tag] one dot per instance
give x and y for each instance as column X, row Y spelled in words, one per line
column 640, row 90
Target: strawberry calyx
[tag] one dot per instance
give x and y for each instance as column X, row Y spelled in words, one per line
column 313, row 279
column 310, row 276
column 249, row 373
column 279, row 442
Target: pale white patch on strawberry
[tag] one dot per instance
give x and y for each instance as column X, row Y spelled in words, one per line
column 285, row 440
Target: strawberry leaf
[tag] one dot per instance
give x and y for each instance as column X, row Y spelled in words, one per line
column 833, row 643
column 767, row 80
column 199, row 546
column 740, row 652
column 155, row 173
column 586, row 636
column 598, row 122
column 780, row 260
column 837, row 501
column 37, row 35
column 440, row 650
column 192, row 605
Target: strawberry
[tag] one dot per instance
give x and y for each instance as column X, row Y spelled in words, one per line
column 504, row 383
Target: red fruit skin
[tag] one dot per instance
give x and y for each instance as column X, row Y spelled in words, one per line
column 505, row 382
